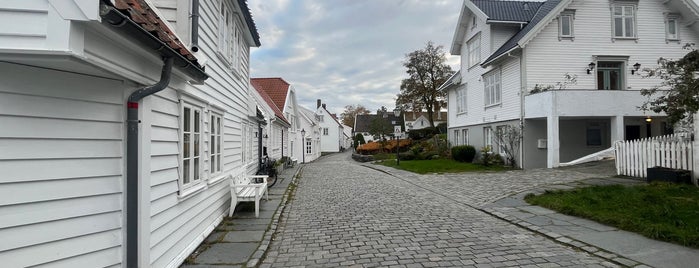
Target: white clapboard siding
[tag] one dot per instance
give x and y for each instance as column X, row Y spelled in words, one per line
column 23, row 24
column 61, row 156
column 635, row 156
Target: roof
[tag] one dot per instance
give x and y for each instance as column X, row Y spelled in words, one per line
column 508, row 10
column 276, row 88
column 412, row 116
column 249, row 21
column 362, row 122
column 334, row 116
column 513, row 43
column 278, row 113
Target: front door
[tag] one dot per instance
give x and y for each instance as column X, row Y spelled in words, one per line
column 609, row 75
column 633, row 132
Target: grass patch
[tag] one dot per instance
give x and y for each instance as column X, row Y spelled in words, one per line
column 662, row 211
column 439, row 166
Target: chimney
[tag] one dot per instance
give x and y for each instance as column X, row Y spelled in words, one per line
column 526, row 7
column 324, row 106
column 318, row 104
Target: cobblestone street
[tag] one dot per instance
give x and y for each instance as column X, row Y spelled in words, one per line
column 350, row 214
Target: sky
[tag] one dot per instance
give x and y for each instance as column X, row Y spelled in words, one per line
column 347, row 52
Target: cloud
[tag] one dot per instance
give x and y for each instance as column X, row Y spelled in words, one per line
column 347, row 52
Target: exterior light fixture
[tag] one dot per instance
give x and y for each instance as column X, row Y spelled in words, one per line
column 635, row 68
column 303, row 135
column 396, row 111
column 590, row 67
column 648, row 119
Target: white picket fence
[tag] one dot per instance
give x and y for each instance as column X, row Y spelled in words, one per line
column 635, row 156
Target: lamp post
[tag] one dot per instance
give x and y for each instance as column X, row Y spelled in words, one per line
column 303, row 138
column 397, row 132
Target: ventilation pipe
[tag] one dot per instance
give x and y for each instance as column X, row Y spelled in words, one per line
column 132, row 154
column 195, row 26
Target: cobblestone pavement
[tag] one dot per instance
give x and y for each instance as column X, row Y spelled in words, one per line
column 346, row 214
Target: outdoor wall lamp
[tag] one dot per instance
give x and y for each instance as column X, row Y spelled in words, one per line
column 590, row 67
column 635, row 68
column 265, row 136
column 648, row 119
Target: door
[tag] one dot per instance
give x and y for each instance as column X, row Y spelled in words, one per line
column 609, row 75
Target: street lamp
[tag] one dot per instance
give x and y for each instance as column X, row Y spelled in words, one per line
column 303, row 135
column 397, row 131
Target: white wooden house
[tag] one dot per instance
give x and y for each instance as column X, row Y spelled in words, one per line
column 568, row 72
column 310, row 131
column 95, row 175
column 419, row 120
column 346, row 136
column 275, row 123
column 332, row 137
column 283, row 95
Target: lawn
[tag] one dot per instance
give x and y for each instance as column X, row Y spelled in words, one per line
column 662, row 211
column 439, row 166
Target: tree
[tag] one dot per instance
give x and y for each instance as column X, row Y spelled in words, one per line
column 427, row 70
column 681, row 77
column 508, row 137
column 350, row 113
column 380, row 128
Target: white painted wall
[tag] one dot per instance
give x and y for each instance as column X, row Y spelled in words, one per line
column 330, row 142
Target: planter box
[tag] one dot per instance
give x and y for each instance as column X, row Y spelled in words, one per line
column 669, row 175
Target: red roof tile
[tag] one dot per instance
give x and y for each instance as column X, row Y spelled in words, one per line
column 140, row 12
column 270, row 102
column 275, row 87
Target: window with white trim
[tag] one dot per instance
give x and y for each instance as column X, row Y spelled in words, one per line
column 461, row 99
column 215, row 143
column 309, row 146
column 672, row 31
column 488, row 137
column 325, row 131
column 624, row 20
column 229, row 35
column 474, row 21
column 474, row 50
column 190, row 145
column 456, row 140
column 464, row 137
column 500, row 132
column 493, row 90
column 565, row 25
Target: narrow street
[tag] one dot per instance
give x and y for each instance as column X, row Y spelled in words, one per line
column 350, row 214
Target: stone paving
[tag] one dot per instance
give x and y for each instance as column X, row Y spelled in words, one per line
column 352, row 215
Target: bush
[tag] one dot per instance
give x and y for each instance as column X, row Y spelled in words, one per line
column 419, row 134
column 463, row 153
column 442, row 128
column 407, row 156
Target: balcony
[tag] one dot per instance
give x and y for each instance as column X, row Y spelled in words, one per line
column 584, row 103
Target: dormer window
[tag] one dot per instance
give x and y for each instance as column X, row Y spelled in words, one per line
column 474, row 50
column 474, row 21
column 672, row 31
column 624, row 20
column 565, row 25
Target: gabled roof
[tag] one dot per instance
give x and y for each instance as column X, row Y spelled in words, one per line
column 250, row 22
column 508, row 10
column 334, row 116
column 275, row 87
column 278, row 113
column 516, row 40
column 362, row 122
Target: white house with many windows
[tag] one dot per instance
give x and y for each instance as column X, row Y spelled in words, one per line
column 286, row 142
column 567, row 72
column 331, row 130
column 311, row 134
column 120, row 123
column 274, row 124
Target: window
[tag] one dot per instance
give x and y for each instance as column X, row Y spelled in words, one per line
column 474, row 21
column 565, row 25
column 190, row 126
column 624, row 20
column 500, row 135
column 215, row 142
column 325, row 131
column 229, row 35
column 610, row 75
column 488, row 137
column 456, row 137
column 464, row 137
column 309, row 146
column 474, row 50
column 594, row 134
column 671, row 28
column 493, row 89
column 320, row 118
column 461, row 99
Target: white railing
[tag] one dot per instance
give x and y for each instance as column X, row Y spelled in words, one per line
column 635, row 156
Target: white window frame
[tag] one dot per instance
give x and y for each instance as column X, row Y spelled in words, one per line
column 461, row 99
column 492, row 83
column 457, row 139
column 672, row 19
column 192, row 184
column 474, row 50
column 570, row 16
column 488, row 137
column 325, row 131
column 474, row 21
column 229, row 36
column 464, row 136
column 624, row 17
column 309, row 146
column 501, row 147
column 216, row 130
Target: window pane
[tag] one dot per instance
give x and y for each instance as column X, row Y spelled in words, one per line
column 218, row 148
column 187, row 119
column 629, row 27
column 565, row 25
column 672, row 28
column 196, row 121
column 617, row 10
column 614, row 80
column 218, row 125
column 213, row 144
column 218, row 162
column 196, row 169
column 618, row 27
column 185, row 171
column 186, row 142
column 628, row 11
column 196, row 145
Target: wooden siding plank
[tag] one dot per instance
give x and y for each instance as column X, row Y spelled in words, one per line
column 41, row 191
column 28, row 127
column 49, row 107
column 34, row 213
column 38, row 170
column 53, row 149
column 101, row 258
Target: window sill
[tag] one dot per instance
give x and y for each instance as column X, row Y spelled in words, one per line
column 223, row 58
column 191, row 191
column 461, row 113
column 488, row 106
column 561, row 38
column 218, row 177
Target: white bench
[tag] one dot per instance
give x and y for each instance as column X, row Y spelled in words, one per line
column 245, row 189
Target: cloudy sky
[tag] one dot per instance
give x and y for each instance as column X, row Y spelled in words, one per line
column 347, row 51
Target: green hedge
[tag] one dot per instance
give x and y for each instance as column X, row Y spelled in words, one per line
column 463, row 153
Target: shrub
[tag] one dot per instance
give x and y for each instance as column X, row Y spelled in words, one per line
column 407, row 156
column 419, row 134
column 463, row 153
